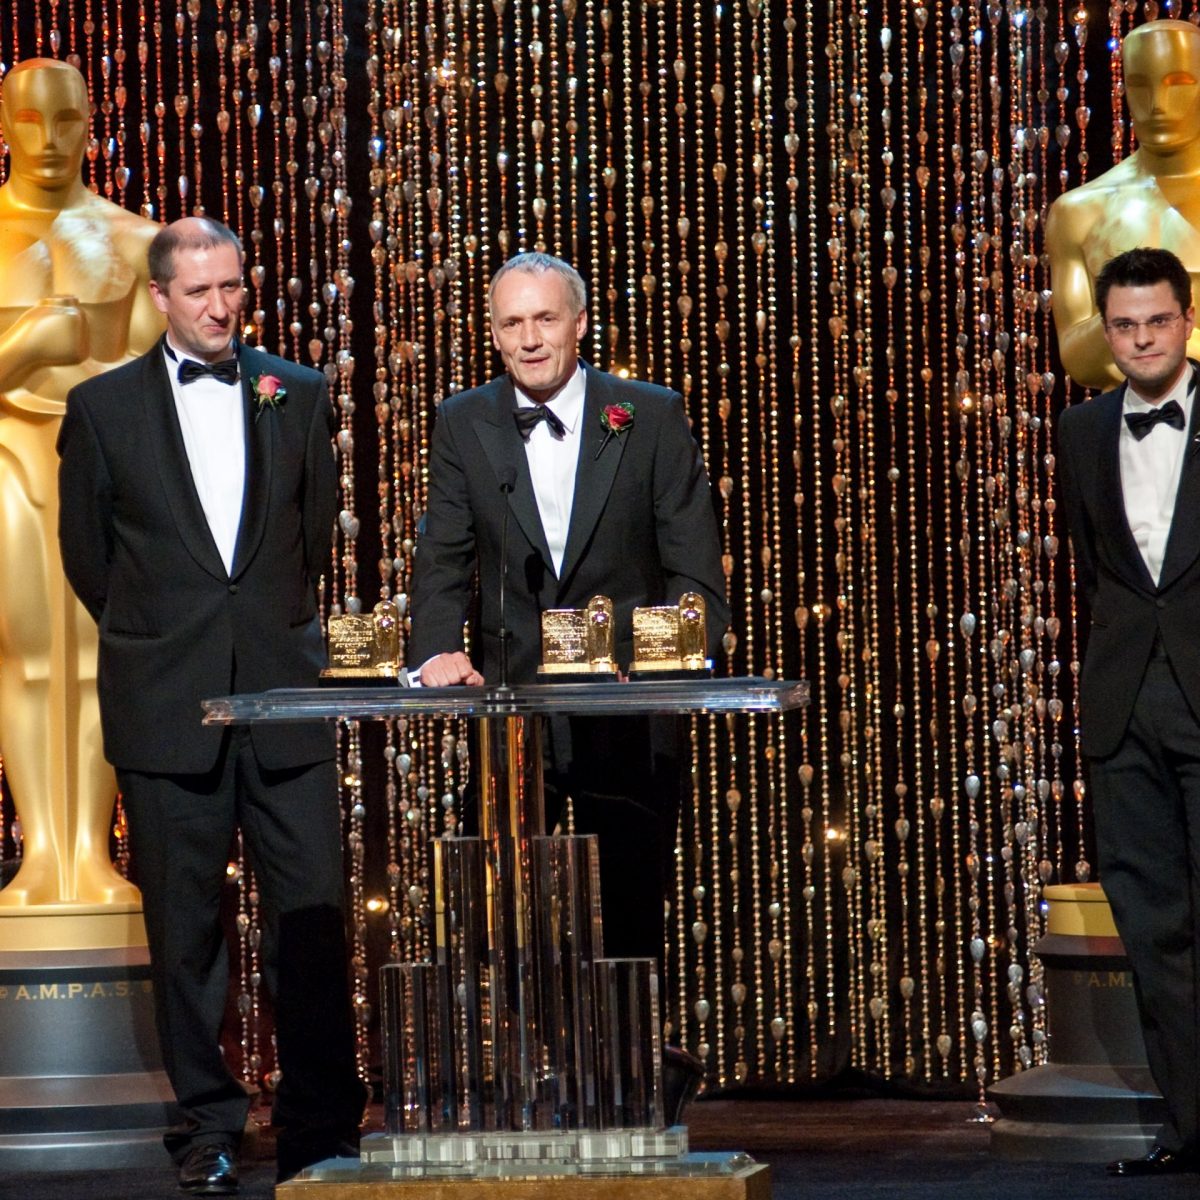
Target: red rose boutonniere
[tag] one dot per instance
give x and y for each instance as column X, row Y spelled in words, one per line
column 269, row 392
column 616, row 418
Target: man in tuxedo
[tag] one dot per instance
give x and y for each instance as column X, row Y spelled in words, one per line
column 198, row 493
column 599, row 504
column 1130, row 473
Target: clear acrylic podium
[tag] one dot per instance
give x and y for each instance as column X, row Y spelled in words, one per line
column 521, row 1052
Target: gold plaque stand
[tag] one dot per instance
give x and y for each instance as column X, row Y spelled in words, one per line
column 669, row 640
column 751, row 1182
column 364, row 649
column 577, row 643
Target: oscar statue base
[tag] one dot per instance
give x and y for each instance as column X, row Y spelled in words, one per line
column 71, row 926
column 1096, row 1100
column 1075, row 1113
column 692, row 1177
column 82, row 1084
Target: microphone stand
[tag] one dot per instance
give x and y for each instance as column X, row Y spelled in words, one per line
column 507, row 484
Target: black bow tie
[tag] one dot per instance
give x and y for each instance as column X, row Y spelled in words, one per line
column 1140, row 423
column 527, row 418
column 225, row 371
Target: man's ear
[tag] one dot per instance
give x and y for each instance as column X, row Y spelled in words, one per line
column 158, row 294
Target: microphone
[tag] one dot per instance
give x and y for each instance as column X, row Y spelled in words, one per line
column 508, row 481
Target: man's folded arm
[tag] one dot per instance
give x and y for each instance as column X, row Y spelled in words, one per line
column 689, row 545
column 320, row 487
column 85, row 508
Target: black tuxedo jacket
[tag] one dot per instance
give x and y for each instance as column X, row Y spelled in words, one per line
column 642, row 525
column 1127, row 609
column 175, row 626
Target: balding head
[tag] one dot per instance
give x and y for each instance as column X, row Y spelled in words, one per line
column 188, row 233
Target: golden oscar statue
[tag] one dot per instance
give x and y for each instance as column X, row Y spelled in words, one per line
column 1151, row 198
column 73, row 303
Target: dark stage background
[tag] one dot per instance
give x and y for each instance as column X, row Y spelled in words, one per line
column 822, row 224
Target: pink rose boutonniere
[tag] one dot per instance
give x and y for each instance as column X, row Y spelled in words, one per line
column 269, row 392
column 616, row 418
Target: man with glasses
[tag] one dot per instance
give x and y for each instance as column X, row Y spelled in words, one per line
column 1129, row 467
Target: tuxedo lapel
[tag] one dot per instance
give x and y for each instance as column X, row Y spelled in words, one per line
column 596, row 470
column 1117, row 535
column 505, row 451
column 1183, row 542
column 260, row 435
column 165, row 438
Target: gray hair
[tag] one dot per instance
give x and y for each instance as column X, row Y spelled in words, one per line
column 536, row 263
column 192, row 233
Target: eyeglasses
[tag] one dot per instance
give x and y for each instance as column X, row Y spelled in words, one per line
column 1123, row 328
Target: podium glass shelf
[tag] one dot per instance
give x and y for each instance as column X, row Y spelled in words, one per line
column 742, row 694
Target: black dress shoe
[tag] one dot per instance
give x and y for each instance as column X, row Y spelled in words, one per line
column 209, row 1170
column 1159, row 1161
column 683, row 1073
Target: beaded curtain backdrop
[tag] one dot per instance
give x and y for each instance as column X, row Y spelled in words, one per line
column 822, row 223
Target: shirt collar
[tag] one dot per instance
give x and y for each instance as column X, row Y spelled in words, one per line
column 1182, row 392
column 567, row 406
column 175, row 356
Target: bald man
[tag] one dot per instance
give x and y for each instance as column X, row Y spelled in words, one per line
column 198, row 493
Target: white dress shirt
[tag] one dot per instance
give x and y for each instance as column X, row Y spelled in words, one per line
column 212, row 419
column 1150, row 471
column 553, row 462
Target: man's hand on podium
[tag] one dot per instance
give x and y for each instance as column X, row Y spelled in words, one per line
column 448, row 670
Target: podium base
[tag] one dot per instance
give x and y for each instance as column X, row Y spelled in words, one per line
column 570, row 1151
column 726, row 1176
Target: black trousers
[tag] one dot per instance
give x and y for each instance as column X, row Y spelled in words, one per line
column 623, row 777
column 181, row 829
column 1146, row 799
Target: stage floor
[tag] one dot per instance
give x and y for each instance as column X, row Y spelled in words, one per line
column 867, row 1149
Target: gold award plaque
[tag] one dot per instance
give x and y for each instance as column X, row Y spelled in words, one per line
column 564, row 641
column 578, row 641
column 670, row 637
column 365, row 648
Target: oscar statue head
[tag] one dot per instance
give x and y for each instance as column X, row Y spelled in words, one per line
column 1162, row 84
column 44, row 113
